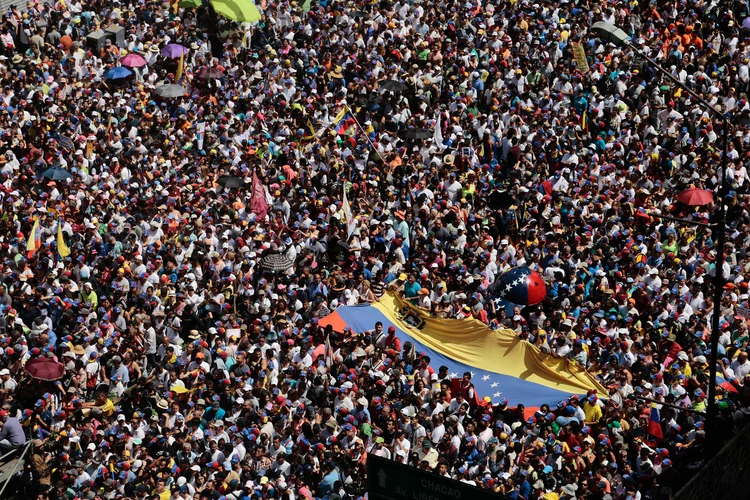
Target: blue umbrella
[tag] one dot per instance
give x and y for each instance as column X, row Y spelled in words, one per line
column 57, row 174
column 117, row 73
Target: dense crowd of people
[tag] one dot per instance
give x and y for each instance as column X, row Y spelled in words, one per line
column 175, row 252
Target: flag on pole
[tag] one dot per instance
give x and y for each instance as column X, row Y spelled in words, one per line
column 34, row 242
column 258, row 203
column 344, row 122
column 584, row 120
column 340, row 115
column 180, row 65
column 351, row 223
column 654, row 423
column 312, row 131
column 62, row 248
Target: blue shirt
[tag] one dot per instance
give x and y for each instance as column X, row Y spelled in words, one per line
column 13, row 432
column 122, row 371
column 326, row 485
column 411, row 290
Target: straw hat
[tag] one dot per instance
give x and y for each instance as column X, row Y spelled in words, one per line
column 449, row 159
column 336, row 73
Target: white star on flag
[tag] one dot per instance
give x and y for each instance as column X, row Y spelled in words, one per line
column 486, row 378
column 473, row 374
column 497, row 395
column 494, row 384
column 454, row 375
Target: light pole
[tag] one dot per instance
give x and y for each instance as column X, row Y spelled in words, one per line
column 615, row 35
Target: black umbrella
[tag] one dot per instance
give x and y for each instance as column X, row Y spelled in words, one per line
column 229, row 181
column 418, row 133
column 500, row 199
column 368, row 100
column 393, row 86
column 359, row 13
column 276, row 262
column 57, row 174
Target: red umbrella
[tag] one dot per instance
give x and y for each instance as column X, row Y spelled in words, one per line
column 45, row 369
column 696, row 197
column 210, row 73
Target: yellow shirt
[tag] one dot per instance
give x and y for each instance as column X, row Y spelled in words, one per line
column 90, row 297
column 108, row 408
column 164, row 495
column 592, row 411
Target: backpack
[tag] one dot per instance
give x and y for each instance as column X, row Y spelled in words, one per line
column 92, row 381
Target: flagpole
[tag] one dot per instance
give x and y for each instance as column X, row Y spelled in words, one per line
column 367, row 136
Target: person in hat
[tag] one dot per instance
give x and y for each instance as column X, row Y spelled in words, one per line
column 39, row 464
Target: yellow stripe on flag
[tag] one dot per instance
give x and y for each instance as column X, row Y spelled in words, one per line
column 33, row 244
column 62, row 248
column 340, row 116
column 178, row 74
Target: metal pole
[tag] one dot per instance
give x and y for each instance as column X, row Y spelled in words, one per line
column 712, row 422
column 711, row 409
column 15, row 466
column 670, row 405
column 677, row 219
column 677, row 82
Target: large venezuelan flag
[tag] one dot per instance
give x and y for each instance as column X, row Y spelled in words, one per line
column 502, row 365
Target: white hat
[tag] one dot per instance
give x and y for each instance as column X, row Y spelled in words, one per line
column 362, row 401
column 653, row 271
column 4, row 371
